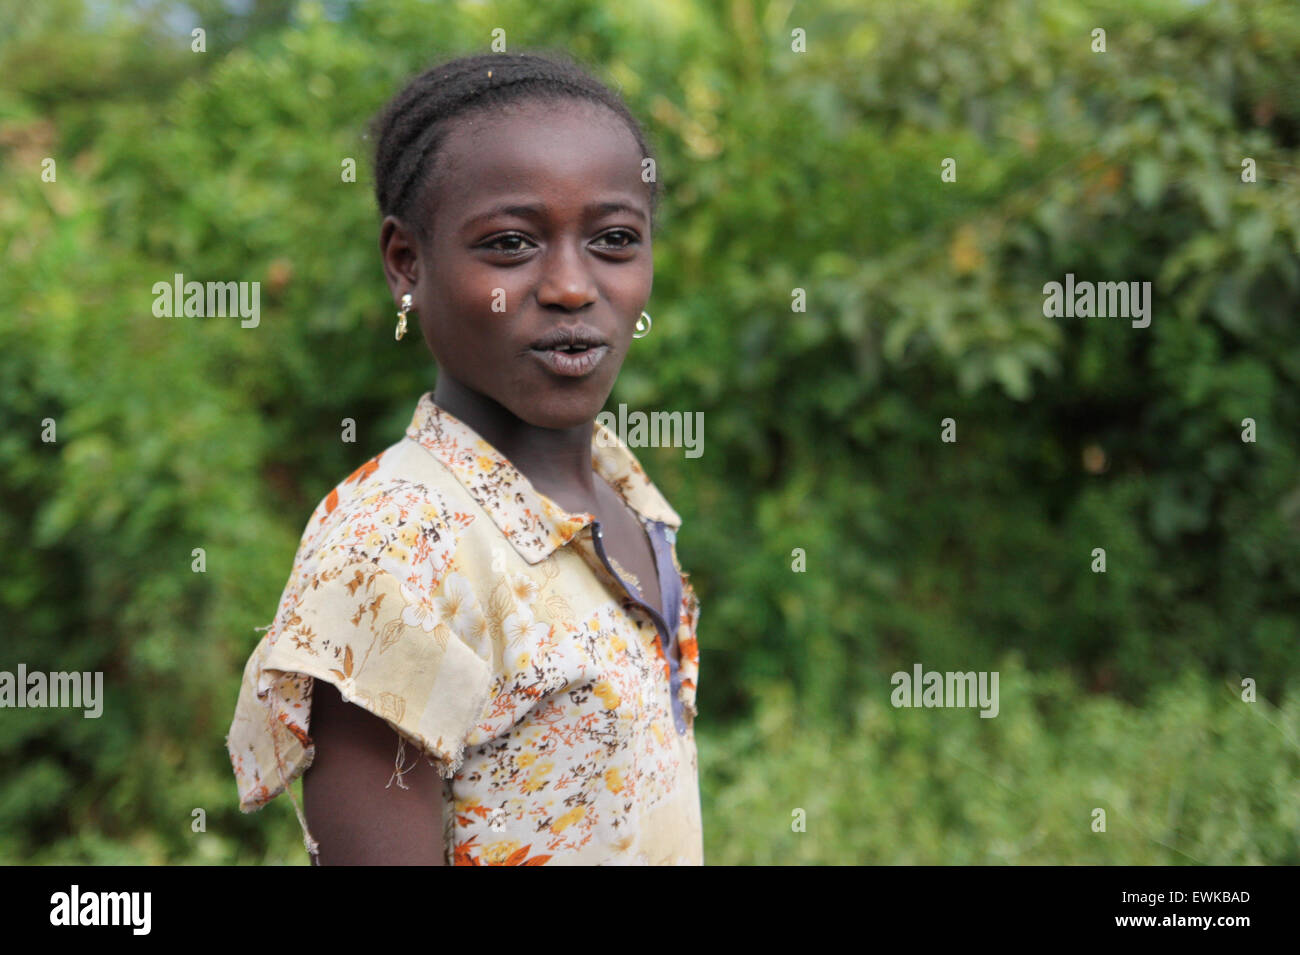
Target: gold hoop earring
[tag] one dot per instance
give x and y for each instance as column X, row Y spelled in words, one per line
column 401, row 317
column 640, row 332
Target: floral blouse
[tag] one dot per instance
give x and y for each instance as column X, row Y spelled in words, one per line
column 437, row 589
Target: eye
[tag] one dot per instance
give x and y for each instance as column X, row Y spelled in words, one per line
column 495, row 244
column 629, row 238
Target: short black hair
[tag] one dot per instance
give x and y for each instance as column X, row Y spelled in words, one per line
column 412, row 128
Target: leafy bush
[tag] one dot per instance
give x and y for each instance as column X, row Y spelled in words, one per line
column 817, row 171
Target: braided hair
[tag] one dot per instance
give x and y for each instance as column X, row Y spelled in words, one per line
column 413, row 127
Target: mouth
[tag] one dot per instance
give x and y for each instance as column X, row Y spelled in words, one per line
column 569, row 338
column 572, row 361
column 571, row 352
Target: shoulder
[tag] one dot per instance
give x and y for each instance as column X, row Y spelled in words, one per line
column 397, row 509
column 376, row 604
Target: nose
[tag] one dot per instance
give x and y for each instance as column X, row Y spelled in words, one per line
column 566, row 280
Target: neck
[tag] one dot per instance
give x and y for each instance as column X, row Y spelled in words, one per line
column 556, row 461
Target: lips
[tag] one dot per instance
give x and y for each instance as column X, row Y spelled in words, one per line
column 571, row 352
column 571, row 364
column 568, row 338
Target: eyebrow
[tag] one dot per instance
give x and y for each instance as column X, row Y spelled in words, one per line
column 533, row 211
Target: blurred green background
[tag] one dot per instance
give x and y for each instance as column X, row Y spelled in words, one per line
column 781, row 170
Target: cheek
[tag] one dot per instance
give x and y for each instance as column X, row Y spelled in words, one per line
column 473, row 295
column 626, row 297
column 459, row 347
column 464, row 325
column 467, row 322
column 635, row 297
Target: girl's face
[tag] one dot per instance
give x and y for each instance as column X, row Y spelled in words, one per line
column 541, row 223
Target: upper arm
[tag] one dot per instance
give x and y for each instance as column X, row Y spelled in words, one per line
column 352, row 811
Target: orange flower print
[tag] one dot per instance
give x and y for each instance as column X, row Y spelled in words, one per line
column 363, row 472
column 510, row 852
column 331, row 502
column 690, row 649
column 464, row 852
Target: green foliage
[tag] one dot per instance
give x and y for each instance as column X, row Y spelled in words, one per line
column 817, row 171
column 1194, row 777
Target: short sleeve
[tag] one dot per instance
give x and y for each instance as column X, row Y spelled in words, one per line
column 382, row 642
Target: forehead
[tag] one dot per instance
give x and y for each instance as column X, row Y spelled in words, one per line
column 561, row 154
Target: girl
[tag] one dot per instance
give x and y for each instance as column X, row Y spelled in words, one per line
column 501, row 586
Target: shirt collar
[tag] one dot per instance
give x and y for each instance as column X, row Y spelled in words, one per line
column 533, row 523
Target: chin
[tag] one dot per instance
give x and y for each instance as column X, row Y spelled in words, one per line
column 559, row 411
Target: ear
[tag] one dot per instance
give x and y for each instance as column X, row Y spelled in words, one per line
column 399, row 249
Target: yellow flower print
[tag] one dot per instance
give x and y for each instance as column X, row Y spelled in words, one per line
column 606, row 693
column 569, row 818
column 495, row 853
column 396, row 552
column 408, row 536
column 617, row 643
column 375, row 539
column 613, row 780
column 526, row 759
column 523, row 661
column 538, row 778
column 429, row 513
